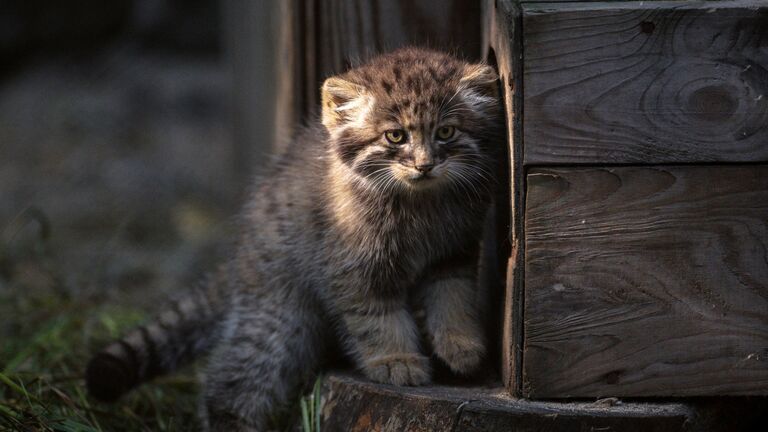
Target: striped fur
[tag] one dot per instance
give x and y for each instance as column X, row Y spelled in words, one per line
column 341, row 241
column 188, row 328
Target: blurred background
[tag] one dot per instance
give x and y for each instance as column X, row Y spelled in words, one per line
column 116, row 185
column 115, row 141
column 129, row 131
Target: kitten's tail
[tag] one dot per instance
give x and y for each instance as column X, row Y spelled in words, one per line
column 181, row 333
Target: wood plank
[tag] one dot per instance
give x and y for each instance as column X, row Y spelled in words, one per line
column 502, row 37
column 349, row 32
column 646, row 281
column 646, row 82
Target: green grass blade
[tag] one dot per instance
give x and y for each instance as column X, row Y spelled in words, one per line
column 15, row 387
column 69, row 425
column 87, row 406
column 318, row 402
column 305, row 416
column 311, row 403
column 8, row 412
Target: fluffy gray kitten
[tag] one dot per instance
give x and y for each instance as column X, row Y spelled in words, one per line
column 368, row 216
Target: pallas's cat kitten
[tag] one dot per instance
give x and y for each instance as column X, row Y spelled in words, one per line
column 366, row 217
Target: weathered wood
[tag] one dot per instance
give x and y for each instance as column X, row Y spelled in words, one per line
column 588, row 1
column 646, row 82
column 502, row 39
column 352, row 31
column 348, row 32
column 351, row 405
column 646, row 281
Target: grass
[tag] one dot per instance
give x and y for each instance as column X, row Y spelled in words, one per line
column 310, row 408
column 46, row 341
column 46, row 338
column 47, row 334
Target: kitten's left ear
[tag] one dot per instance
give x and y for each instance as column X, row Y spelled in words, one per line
column 339, row 98
column 481, row 79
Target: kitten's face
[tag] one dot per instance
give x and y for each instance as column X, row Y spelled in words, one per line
column 413, row 120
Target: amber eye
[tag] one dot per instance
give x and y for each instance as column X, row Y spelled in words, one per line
column 395, row 136
column 445, row 132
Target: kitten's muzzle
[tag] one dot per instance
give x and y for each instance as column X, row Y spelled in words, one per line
column 424, row 168
column 420, row 173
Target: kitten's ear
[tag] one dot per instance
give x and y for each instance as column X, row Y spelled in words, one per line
column 339, row 98
column 481, row 79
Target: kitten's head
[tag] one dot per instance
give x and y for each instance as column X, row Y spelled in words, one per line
column 414, row 120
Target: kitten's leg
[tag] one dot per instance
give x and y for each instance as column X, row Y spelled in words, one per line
column 452, row 303
column 383, row 338
column 273, row 349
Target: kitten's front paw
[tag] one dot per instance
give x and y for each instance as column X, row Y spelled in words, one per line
column 399, row 369
column 461, row 352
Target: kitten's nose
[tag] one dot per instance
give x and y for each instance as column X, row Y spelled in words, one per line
column 424, row 168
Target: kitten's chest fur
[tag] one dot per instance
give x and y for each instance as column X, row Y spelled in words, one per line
column 405, row 234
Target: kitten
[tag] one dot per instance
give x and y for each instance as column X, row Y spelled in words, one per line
column 374, row 212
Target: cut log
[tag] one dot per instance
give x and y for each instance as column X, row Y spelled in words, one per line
column 353, row 405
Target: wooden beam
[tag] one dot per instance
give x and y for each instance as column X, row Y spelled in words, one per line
column 503, row 41
column 646, row 82
column 646, row 281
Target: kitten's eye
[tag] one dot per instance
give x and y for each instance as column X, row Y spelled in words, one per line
column 396, row 136
column 445, row 132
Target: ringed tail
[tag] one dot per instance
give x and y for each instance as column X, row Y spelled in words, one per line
column 179, row 335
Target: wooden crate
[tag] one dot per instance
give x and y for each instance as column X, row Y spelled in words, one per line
column 639, row 157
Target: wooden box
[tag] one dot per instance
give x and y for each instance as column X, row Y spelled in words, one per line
column 639, row 184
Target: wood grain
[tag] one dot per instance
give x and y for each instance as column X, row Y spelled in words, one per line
column 355, row 405
column 349, row 32
column 646, row 281
column 646, row 82
column 503, row 42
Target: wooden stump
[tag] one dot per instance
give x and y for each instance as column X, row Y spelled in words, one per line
column 354, row 405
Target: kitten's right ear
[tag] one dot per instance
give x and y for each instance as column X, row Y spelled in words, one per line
column 480, row 78
column 340, row 98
